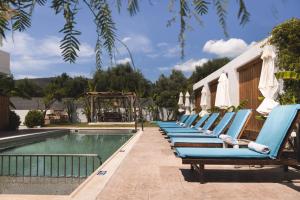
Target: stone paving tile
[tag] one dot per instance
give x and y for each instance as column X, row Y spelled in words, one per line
column 151, row 171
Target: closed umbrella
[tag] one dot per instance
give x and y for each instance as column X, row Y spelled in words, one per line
column 180, row 102
column 268, row 84
column 193, row 108
column 222, row 95
column 187, row 103
column 204, row 103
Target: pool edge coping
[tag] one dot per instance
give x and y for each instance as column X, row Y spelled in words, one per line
column 118, row 158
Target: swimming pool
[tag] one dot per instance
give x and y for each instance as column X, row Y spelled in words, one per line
column 71, row 154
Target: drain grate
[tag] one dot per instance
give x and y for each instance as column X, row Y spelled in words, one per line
column 101, row 173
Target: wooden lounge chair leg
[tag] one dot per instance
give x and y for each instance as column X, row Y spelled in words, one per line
column 285, row 168
column 192, row 167
column 201, row 173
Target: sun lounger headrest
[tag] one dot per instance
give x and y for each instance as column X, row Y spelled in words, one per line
column 201, row 121
column 223, row 123
column 276, row 127
column 238, row 122
column 210, row 121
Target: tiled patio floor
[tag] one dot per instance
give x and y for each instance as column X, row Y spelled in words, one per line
column 151, row 171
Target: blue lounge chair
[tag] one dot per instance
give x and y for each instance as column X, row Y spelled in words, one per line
column 234, row 131
column 208, row 124
column 197, row 125
column 187, row 123
column 167, row 124
column 182, row 119
column 274, row 134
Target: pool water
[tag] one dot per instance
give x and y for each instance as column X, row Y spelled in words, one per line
column 104, row 145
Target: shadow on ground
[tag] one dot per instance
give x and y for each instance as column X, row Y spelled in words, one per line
column 290, row 179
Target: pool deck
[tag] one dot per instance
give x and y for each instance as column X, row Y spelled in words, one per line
column 146, row 168
column 151, row 171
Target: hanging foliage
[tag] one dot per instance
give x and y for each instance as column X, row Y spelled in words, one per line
column 286, row 38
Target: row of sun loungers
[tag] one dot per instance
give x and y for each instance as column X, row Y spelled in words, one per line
column 199, row 145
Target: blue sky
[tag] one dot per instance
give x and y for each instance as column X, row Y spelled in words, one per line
column 155, row 47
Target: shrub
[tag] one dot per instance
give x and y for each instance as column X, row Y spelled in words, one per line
column 14, row 121
column 34, row 118
column 286, row 38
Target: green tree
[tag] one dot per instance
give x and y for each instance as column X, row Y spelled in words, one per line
column 18, row 14
column 30, row 88
column 166, row 91
column 65, row 88
column 8, row 88
column 286, row 38
column 122, row 78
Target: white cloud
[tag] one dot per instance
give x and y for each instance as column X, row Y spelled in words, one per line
column 136, row 43
column 172, row 52
column 123, row 61
column 164, row 68
column 29, row 54
column 231, row 48
column 162, row 44
column 190, row 65
column 22, row 76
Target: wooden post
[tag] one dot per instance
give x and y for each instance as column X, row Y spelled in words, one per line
column 297, row 144
column 201, row 173
column 92, row 108
column 135, row 117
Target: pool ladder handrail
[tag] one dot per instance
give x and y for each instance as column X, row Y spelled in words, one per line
column 51, row 157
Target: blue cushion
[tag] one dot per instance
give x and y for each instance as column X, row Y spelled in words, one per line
column 217, row 130
column 238, row 123
column 188, row 122
column 218, row 153
column 223, row 123
column 191, row 120
column 276, row 127
column 201, row 121
column 210, row 121
column 197, row 134
column 196, row 140
column 182, row 119
column 181, row 130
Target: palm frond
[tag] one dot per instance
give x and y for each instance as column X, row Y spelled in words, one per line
column 3, row 25
column 133, row 7
column 107, row 28
column 119, row 5
column 21, row 20
column 243, row 13
column 69, row 43
column 183, row 10
column 201, row 6
column 220, row 6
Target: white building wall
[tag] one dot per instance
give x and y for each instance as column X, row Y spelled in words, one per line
column 4, row 62
column 231, row 69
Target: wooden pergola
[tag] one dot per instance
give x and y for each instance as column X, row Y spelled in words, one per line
column 112, row 106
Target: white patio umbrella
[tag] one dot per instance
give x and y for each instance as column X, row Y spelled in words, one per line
column 187, row 103
column 268, row 84
column 180, row 102
column 193, row 108
column 222, row 96
column 204, row 103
